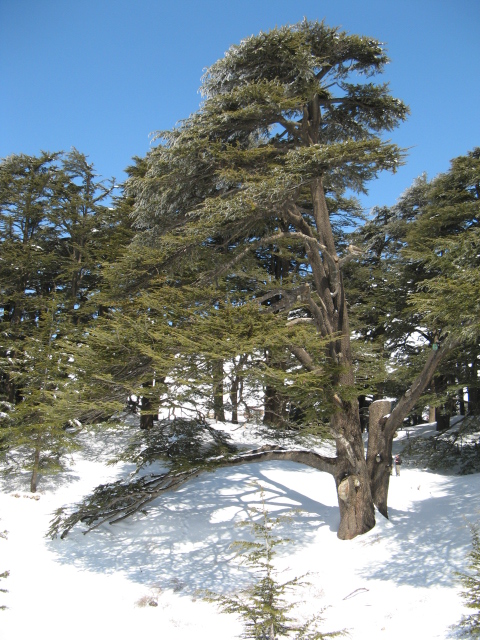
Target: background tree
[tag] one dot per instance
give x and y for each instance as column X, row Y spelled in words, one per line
column 423, row 248
column 27, row 269
column 56, row 231
column 445, row 241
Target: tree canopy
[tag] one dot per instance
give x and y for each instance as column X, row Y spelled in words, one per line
column 241, row 211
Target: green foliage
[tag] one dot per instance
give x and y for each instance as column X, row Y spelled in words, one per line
column 55, row 233
column 235, row 260
column 264, row 609
column 445, row 242
column 34, row 436
column 179, row 444
column 425, row 248
column 470, row 625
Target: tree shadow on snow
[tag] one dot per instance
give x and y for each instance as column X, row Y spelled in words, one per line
column 429, row 542
column 182, row 540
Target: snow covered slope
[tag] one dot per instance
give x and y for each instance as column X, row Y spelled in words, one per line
column 140, row 577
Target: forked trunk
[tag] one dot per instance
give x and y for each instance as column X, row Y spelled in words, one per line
column 357, row 513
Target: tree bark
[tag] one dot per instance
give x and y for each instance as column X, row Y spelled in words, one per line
column 379, row 454
column 234, row 398
column 218, row 406
column 146, row 419
column 357, row 513
column 382, row 428
column 274, row 407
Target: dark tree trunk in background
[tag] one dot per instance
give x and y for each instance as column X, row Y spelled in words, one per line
column 461, row 402
column 274, row 407
column 146, row 419
column 442, row 418
column 473, row 390
column 35, row 470
column 234, row 389
column 218, row 376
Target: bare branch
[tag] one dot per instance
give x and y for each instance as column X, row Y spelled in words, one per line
column 306, row 359
column 289, row 125
column 352, row 252
column 292, row 323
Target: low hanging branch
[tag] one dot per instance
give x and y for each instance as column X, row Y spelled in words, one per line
column 111, row 503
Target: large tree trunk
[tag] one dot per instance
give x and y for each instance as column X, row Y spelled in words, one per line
column 357, row 513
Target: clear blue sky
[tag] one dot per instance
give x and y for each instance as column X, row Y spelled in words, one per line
column 101, row 75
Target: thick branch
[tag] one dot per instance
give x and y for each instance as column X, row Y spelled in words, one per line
column 412, row 395
column 294, row 216
column 289, row 297
column 305, row 359
column 302, row 456
column 290, row 126
column 117, row 501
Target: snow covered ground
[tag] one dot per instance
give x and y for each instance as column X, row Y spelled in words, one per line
column 397, row 581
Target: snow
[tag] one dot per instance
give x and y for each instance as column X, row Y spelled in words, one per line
column 396, row 581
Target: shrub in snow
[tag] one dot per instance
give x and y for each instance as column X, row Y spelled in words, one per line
column 265, row 612
column 5, row 574
column 456, row 450
column 470, row 625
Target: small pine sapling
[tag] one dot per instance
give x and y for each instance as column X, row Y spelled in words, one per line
column 5, row 574
column 470, row 625
column 265, row 612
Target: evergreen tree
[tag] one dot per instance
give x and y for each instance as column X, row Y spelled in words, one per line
column 85, row 231
column 255, row 176
column 56, row 231
column 34, row 433
column 444, row 241
column 27, row 267
column 425, row 248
